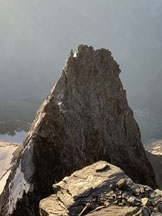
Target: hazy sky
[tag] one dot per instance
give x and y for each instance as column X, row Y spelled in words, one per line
column 37, row 35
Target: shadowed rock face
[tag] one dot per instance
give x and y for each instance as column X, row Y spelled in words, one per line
column 85, row 118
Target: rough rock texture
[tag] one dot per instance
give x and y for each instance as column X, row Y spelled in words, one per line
column 85, row 118
column 102, row 190
column 156, row 162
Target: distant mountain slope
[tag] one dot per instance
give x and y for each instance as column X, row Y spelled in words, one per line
column 154, row 155
column 155, row 147
column 24, row 109
column 150, row 124
column 13, row 131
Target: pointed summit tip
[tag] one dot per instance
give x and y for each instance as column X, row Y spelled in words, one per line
column 86, row 48
column 87, row 58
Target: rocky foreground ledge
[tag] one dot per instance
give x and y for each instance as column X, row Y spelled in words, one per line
column 101, row 190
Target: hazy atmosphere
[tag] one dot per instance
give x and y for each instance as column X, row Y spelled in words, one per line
column 37, row 35
column 92, row 145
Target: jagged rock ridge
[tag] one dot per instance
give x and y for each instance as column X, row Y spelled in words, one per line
column 85, row 118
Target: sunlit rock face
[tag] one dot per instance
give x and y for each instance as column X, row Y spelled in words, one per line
column 85, row 118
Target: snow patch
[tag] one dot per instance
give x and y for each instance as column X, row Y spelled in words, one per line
column 60, row 103
column 75, row 55
column 21, row 180
column 3, row 181
column 6, row 155
column 17, row 188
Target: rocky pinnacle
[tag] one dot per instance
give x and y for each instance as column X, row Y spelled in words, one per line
column 86, row 118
